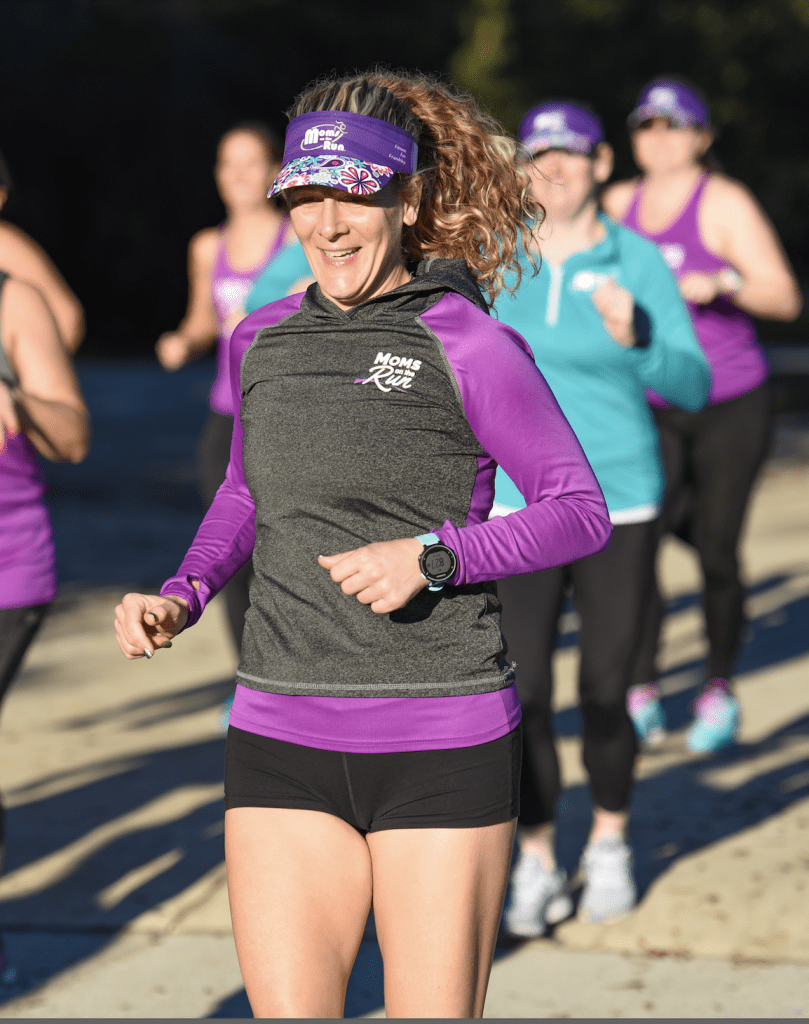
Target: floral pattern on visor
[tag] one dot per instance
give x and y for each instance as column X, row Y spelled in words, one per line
column 356, row 176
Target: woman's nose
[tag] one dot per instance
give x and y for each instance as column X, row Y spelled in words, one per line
column 332, row 219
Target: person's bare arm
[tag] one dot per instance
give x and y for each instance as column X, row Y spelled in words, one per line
column 735, row 227
column 46, row 405
column 199, row 327
column 21, row 257
column 615, row 198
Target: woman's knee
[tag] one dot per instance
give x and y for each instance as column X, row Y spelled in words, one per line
column 604, row 720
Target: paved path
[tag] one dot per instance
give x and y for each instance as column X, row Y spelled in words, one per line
column 113, row 899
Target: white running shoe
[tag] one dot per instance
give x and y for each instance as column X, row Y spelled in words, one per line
column 609, row 886
column 537, row 897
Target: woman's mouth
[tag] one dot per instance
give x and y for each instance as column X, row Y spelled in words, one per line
column 339, row 257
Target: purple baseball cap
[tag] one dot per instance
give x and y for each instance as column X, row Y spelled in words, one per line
column 560, row 124
column 352, row 152
column 668, row 98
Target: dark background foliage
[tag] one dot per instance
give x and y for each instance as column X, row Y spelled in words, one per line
column 111, row 109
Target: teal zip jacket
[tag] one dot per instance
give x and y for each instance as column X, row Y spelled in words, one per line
column 280, row 277
column 599, row 385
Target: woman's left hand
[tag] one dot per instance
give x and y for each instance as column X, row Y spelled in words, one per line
column 385, row 575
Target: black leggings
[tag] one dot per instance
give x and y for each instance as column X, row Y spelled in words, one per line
column 610, row 590
column 213, row 454
column 712, row 458
column 18, row 627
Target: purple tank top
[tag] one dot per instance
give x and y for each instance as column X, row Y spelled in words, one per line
column 230, row 288
column 27, row 554
column 726, row 333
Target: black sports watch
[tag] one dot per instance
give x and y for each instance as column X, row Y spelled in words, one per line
column 437, row 562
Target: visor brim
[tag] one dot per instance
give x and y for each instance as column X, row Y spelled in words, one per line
column 359, row 177
column 568, row 141
column 648, row 111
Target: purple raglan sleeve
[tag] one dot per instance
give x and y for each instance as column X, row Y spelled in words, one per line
column 520, row 426
column 226, row 537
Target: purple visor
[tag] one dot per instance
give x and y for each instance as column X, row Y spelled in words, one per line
column 352, row 152
column 560, row 125
column 666, row 98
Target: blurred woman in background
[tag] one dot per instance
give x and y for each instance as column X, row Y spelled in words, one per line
column 729, row 264
column 604, row 321
column 255, row 239
column 21, row 257
column 41, row 414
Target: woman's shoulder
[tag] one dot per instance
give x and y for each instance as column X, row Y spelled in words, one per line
column 727, row 195
column 728, row 210
column 204, row 243
column 617, row 197
column 470, row 332
column 19, row 252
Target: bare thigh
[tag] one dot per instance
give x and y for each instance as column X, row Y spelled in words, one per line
column 438, row 897
column 299, row 883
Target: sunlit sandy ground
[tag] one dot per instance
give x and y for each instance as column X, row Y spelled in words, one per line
column 113, row 900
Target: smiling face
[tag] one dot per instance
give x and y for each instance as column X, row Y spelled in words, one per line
column 661, row 146
column 565, row 182
column 244, row 171
column 353, row 242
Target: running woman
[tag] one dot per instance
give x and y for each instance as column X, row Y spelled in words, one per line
column 729, row 264
column 41, row 413
column 604, row 321
column 26, row 261
column 223, row 263
column 374, row 747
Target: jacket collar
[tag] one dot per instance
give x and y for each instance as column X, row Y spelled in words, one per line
column 432, row 279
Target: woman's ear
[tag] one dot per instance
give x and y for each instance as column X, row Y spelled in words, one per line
column 411, row 201
column 603, row 162
column 705, row 139
column 3, row 197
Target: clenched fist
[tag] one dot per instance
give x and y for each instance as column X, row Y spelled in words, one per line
column 616, row 305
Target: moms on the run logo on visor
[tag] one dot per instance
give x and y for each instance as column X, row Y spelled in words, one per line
column 324, row 136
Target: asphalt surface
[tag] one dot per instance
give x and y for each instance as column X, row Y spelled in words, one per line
column 113, row 900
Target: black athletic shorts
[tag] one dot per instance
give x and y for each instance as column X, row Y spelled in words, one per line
column 465, row 787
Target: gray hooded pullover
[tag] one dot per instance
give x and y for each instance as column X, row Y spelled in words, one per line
column 386, row 421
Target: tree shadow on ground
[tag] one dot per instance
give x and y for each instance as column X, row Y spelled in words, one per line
column 675, row 812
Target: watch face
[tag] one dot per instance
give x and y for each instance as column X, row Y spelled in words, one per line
column 439, row 563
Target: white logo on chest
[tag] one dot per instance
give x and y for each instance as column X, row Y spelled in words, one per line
column 391, row 373
column 588, row 281
column 673, row 254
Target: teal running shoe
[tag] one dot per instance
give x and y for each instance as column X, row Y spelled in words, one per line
column 648, row 717
column 716, row 719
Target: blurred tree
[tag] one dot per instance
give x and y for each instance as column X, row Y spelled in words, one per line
column 484, row 64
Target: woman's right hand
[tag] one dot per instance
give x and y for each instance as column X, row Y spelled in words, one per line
column 616, row 307
column 173, row 350
column 144, row 624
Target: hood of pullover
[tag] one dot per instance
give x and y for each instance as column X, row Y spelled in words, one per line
column 432, row 280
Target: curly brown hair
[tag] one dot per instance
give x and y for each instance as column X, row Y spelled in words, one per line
column 476, row 198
